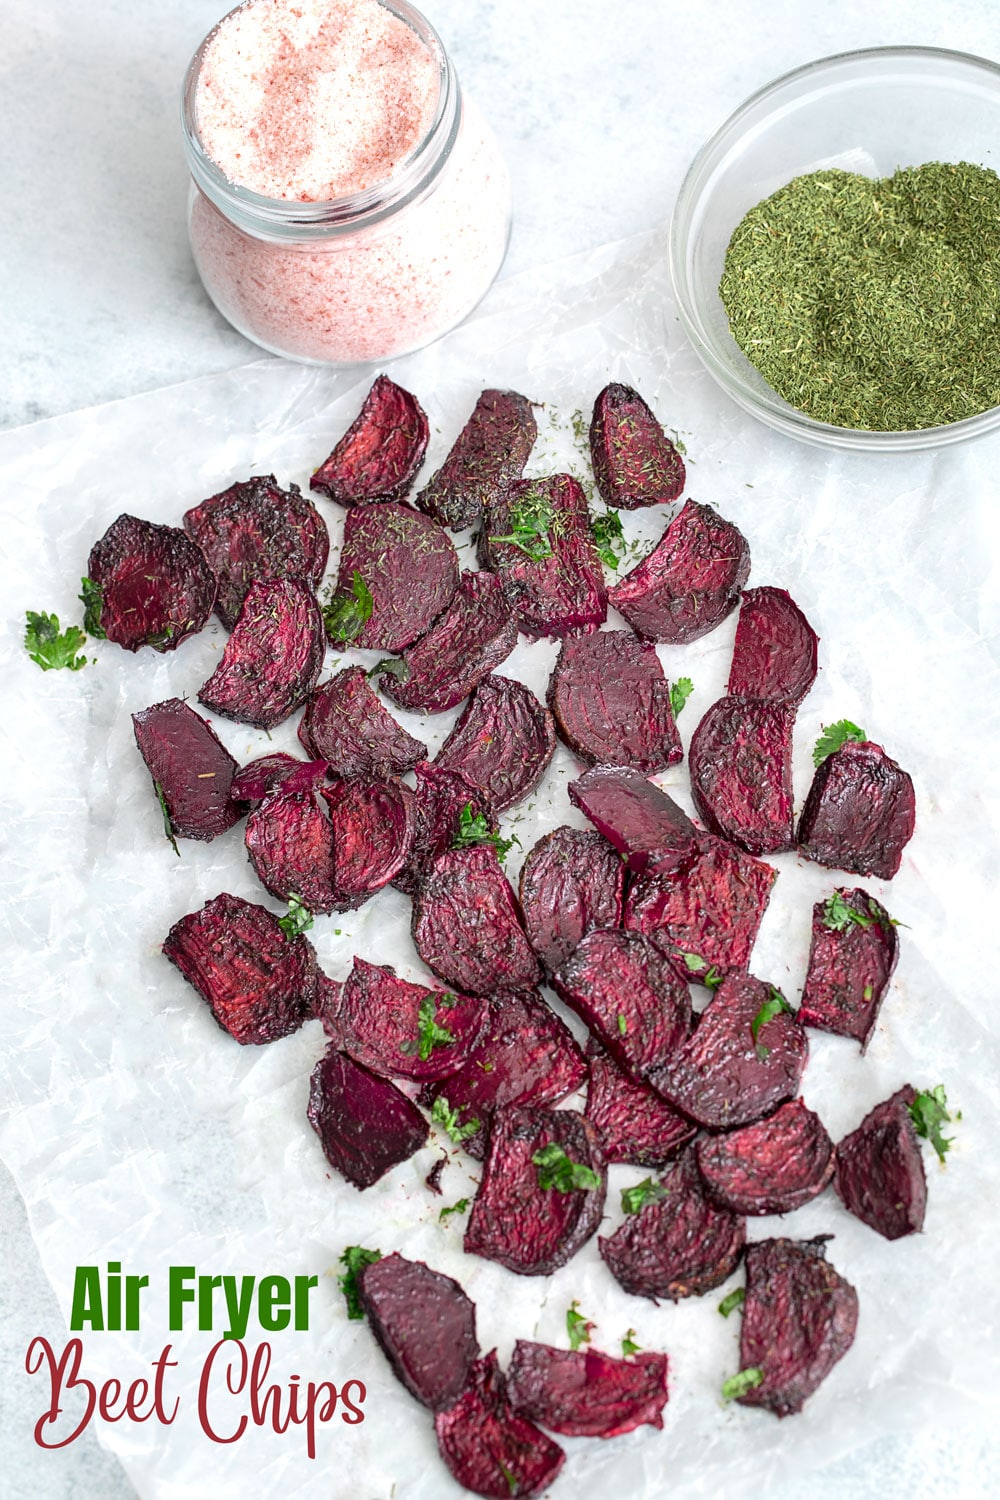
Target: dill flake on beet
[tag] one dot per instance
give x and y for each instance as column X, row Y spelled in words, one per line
column 378, row 457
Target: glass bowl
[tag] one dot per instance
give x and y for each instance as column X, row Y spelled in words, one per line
column 867, row 112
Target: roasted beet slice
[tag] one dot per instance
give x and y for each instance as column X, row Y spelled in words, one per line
column 690, row 581
column 552, row 575
column 490, row 452
column 531, row 1229
column 273, row 657
column 258, row 983
column 633, row 1122
column 860, row 812
column 634, row 461
column 191, row 768
column 775, row 652
column 467, row 926
column 256, row 530
column 584, row 1393
column 710, row 909
column 396, row 1027
column 880, row 1171
column 365, row 1124
column 679, row 1244
column 644, row 824
column 276, row 772
column 156, row 587
column 372, row 824
column 289, row 840
column 490, row 1449
column 475, row 634
column 741, row 773
column 625, row 991
column 408, row 565
column 502, row 742
column 346, row 724
column 799, row 1318
column 770, row 1167
column 439, row 799
column 380, row 453
column 853, row 953
column 725, row 1076
column 425, row 1324
column 611, row 702
column 327, row 1006
column 571, row 882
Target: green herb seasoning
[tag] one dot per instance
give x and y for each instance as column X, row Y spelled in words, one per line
column 873, row 304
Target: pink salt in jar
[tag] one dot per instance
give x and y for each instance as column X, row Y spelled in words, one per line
column 347, row 204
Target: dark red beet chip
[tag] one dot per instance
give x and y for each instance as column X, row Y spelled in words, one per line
column 770, row 1167
column 327, row 1005
column 409, row 567
column 346, row 724
column 381, row 1020
column 571, row 882
column 741, row 773
column 680, row 1245
column 425, row 1324
column 156, row 587
column 723, row 1076
column 527, row 1228
column 273, row 657
column 644, row 824
column 851, row 961
column 467, row 926
column 372, row 824
column 690, row 581
column 502, row 742
column 191, row 768
column 880, row 1171
column 489, row 454
column 860, row 812
column 633, row 1122
column 799, row 1319
column 475, row 634
column 611, row 702
column 439, row 797
column 276, row 772
column 634, row 461
column 488, row 1448
column 258, row 983
column 365, row 1124
column 255, row 530
column 380, row 453
column 584, row 1393
column 289, row 840
column 775, row 652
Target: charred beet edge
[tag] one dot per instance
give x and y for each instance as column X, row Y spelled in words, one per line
column 860, row 812
column 880, row 1171
column 398, row 1028
column 644, row 824
column 156, row 587
column 366, row 1126
column 635, row 463
column 502, row 742
column 775, row 652
column 690, row 581
column 611, row 702
column 489, row 454
column 741, row 773
column 851, row 961
column 346, row 724
column 490, row 1449
column 372, row 823
column 192, row 770
column 425, row 1324
column 276, row 772
column 380, row 453
column 584, row 1393
column 439, row 799
column 633, row 1122
column 273, row 657
column 258, row 983
column 290, row 843
column 254, row 531
column 771, row 1167
column 571, row 882
column 467, row 927
column 475, row 634
column 408, row 565
column 799, row 1319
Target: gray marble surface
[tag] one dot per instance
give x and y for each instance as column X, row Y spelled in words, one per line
column 599, row 110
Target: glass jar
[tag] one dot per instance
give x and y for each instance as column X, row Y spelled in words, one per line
column 366, row 277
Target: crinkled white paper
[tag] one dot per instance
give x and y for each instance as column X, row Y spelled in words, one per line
column 141, row 1133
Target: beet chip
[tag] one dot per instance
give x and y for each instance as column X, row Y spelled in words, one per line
column 408, row 565
column 489, row 454
column 290, row 843
column 191, row 768
column 634, row 461
column 258, row 983
column 372, row 825
column 799, row 1318
column 678, row 1244
column 770, row 1167
column 346, row 724
column 439, row 798
column 860, row 812
column 530, row 1229
column 467, row 926
column 366, row 1126
column 741, row 773
column 633, row 1122
column 690, row 581
column 273, row 657
column 502, row 742
column 644, row 824
column 584, row 1393
column 611, row 702
column 156, row 587
column 475, row 634
column 571, row 882
column 256, row 530
column 425, row 1324
column 853, row 954
column 490, row 1449
column 276, row 772
column 395, row 1027
column 380, row 453
column 880, row 1171
column 775, row 652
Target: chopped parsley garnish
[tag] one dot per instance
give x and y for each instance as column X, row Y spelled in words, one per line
column 391, row 666
column 91, row 596
column 609, row 538
column 622, row 1024
column 559, row 1171
column 835, row 735
column 510, row 1478
column 868, row 991
column 738, row 1385
column 929, row 1111
column 442, row 1114
column 474, row 829
column 577, row 1326
column 531, row 519
column 838, row 915
column 168, row 827
column 348, row 612
column 455, row 1208
column 680, row 693
column 355, row 1259
column 708, row 974
column 773, row 1006
column 732, row 1301
column 634, row 1199
column 429, row 1033
column 629, row 1345
column 49, row 648
column 297, row 919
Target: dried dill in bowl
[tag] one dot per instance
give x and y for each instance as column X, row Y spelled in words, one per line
column 873, row 304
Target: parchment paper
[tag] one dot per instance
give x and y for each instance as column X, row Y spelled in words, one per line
column 139, row 1132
